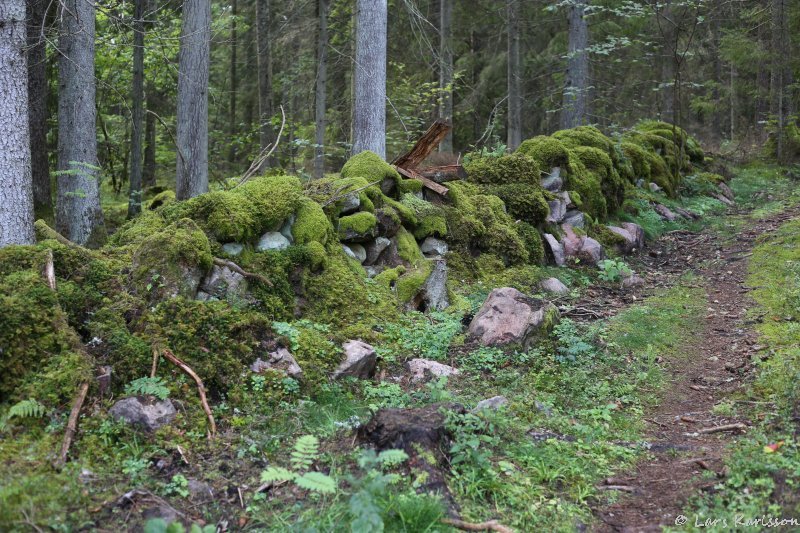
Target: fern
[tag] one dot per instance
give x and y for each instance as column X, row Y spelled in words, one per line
column 148, row 387
column 277, row 473
column 306, row 450
column 26, row 409
column 316, row 482
column 390, row 458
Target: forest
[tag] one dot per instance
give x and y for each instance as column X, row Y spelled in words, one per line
column 399, row 265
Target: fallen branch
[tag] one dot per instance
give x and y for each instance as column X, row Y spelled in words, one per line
column 50, row 271
column 155, row 363
column 491, row 525
column 727, row 427
column 72, row 424
column 200, row 389
column 428, row 183
column 239, row 270
column 622, row 488
column 336, row 196
column 264, row 154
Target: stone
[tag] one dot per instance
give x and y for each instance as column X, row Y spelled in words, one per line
column 199, row 491
column 723, row 199
column 665, row 213
column 349, row 204
column 373, row 271
column 233, row 249
column 640, row 183
column 632, row 281
column 554, row 286
column 556, row 249
column 388, row 225
column 553, row 182
column 222, row 283
column 558, row 208
column 630, row 241
column 375, row 248
column 654, row 187
column 425, row 369
column 433, row 246
column 491, row 404
column 286, row 228
column 272, row 240
column 726, row 191
column 591, row 251
column 359, row 361
column 433, row 293
column 356, row 251
column 282, row 360
column 144, row 412
column 575, row 219
column 637, row 232
column 509, row 317
column 571, row 242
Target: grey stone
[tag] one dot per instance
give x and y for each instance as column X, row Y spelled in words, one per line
column 232, row 248
column 359, row 253
column 552, row 183
column 640, row 183
column 145, row 413
column 637, row 232
column 223, row 283
column 203, row 296
column 654, row 187
column 375, row 248
column 272, row 240
column 509, row 317
column 349, row 204
column 723, row 199
column 359, row 361
column 726, row 191
column 665, row 213
column 286, row 228
column 632, row 281
column 491, row 404
column 433, row 293
column 373, row 270
column 592, row 251
column 575, row 219
column 630, row 241
column 199, row 491
column 554, row 286
column 433, row 246
column 556, row 249
column 282, row 360
column 425, row 369
column 558, row 208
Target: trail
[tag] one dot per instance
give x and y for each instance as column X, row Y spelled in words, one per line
column 657, row 490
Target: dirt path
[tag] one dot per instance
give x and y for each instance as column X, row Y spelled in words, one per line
column 662, row 483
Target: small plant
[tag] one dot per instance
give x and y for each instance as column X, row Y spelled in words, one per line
column 306, row 451
column 148, row 387
column 178, row 486
column 26, row 409
column 372, row 487
column 613, row 270
column 485, row 359
column 159, row 525
column 571, row 344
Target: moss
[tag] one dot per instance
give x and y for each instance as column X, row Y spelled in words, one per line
column 523, row 201
column 409, row 284
column 388, row 278
column 358, row 225
column 407, row 213
column 410, row 186
column 407, row 247
column 675, row 135
column 318, row 255
column 161, row 199
column 610, row 240
column 548, row 152
column 316, row 353
column 506, row 169
column 165, row 262
column 311, row 224
column 576, row 198
column 533, row 242
column 430, row 218
column 588, row 136
column 601, row 165
column 137, row 230
column 639, row 160
column 588, row 186
column 370, row 166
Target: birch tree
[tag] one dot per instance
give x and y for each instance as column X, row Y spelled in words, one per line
column 369, row 106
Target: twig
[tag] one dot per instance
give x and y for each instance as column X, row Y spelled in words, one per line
column 50, row 271
column 491, row 525
column 171, row 136
column 239, row 270
column 337, row 196
column 72, row 424
column 155, row 363
column 622, row 488
column 200, row 389
column 726, row 427
column 262, row 156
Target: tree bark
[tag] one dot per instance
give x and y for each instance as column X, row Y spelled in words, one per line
column 16, row 187
column 321, row 90
column 446, row 70
column 267, row 133
column 79, row 217
column 778, row 76
column 369, row 107
column 37, row 107
column 514, row 137
column 234, row 85
column 192, row 118
column 668, row 51
column 576, row 90
column 137, row 110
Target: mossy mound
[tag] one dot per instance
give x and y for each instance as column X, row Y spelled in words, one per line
column 589, row 136
column 548, row 152
column 311, row 224
column 359, row 226
column 600, row 165
column 676, row 135
column 430, row 218
column 374, row 169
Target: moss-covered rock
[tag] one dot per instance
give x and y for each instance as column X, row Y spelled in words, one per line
column 590, row 136
column 408, row 248
column 676, row 135
column 600, row 165
column 311, row 224
column 548, row 152
column 360, row 226
column 373, row 168
column 506, row 169
column 161, row 199
column 430, row 218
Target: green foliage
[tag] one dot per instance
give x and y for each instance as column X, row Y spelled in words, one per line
column 159, row 525
column 613, row 270
column 304, row 454
column 361, row 225
column 428, row 336
column 148, row 386
column 572, row 346
column 29, row 408
column 311, row 224
column 370, row 166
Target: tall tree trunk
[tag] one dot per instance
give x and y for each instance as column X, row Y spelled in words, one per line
column 716, row 118
column 576, row 90
column 369, row 107
column 149, row 169
column 16, row 187
column 234, row 85
column 78, row 214
column 778, row 76
column 514, row 137
column 192, row 118
column 446, row 70
column 264, row 72
column 37, row 107
column 321, row 90
column 137, row 110
column 668, row 52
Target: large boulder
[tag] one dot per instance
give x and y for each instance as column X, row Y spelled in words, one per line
column 144, row 412
column 359, row 361
column 509, row 317
column 581, row 247
column 432, row 295
column 628, row 243
column 425, row 369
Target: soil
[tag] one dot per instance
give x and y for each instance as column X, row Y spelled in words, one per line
column 658, row 489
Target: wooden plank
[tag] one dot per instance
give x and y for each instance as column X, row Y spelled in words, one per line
column 424, row 146
column 430, row 184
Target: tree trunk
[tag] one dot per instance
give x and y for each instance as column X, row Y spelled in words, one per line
column 576, row 90
column 192, row 118
column 716, row 119
column 369, row 107
column 778, row 76
column 16, row 187
column 37, row 107
column 321, row 92
column 234, row 86
column 149, row 170
column 78, row 214
column 137, row 110
column 264, row 73
column 514, row 138
column 446, row 70
column 668, row 51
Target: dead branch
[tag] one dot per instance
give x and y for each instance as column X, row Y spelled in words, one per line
column 201, row 390
column 155, row 363
column 424, row 146
column 337, row 196
column 491, row 525
column 50, row 271
column 727, row 427
column 265, row 154
column 72, row 424
column 621, row 488
column 239, row 270
column 430, row 184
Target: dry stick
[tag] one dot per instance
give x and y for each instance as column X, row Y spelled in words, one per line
column 491, row 525
column 338, row 196
column 155, row 363
column 259, row 160
column 200, row 388
column 72, row 424
column 171, row 136
column 726, row 427
column 239, row 270
column 50, row 271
